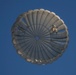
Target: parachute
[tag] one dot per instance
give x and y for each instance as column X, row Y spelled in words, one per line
column 40, row 36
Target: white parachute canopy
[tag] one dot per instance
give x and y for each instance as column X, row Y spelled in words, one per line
column 40, row 36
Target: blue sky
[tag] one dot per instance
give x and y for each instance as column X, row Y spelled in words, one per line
column 11, row 63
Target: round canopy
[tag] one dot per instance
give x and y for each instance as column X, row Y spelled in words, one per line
column 40, row 36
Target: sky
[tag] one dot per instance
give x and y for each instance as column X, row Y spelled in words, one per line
column 11, row 63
